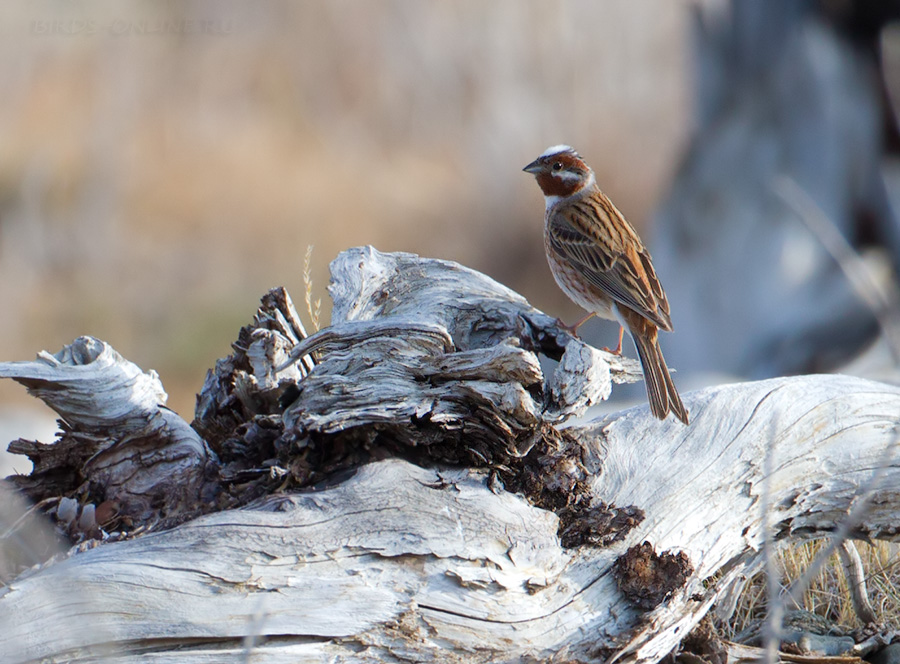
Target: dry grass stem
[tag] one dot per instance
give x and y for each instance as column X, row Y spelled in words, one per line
column 845, row 527
column 810, row 576
column 312, row 309
column 773, row 624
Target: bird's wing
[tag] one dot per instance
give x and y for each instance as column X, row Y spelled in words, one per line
column 610, row 257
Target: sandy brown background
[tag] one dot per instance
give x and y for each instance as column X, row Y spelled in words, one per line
column 163, row 164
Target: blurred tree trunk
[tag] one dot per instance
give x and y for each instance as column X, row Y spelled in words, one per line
column 786, row 91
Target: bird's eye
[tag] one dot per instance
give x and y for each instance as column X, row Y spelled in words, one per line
column 557, row 166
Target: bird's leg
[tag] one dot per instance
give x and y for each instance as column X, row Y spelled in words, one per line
column 583, row 321
column 573, row 329
column 618, row 349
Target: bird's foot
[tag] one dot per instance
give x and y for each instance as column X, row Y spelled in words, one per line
column 618, row 348
column 573, row 329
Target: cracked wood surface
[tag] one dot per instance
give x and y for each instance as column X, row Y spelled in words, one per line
column 427, row 562
column 393, row 562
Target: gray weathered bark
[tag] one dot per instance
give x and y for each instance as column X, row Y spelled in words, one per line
column 398, row 562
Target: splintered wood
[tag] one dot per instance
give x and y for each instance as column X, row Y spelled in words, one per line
column 401, row 486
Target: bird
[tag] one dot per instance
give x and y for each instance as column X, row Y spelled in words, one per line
column 600, row 263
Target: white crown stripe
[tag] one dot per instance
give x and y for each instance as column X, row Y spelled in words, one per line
column 557, row 149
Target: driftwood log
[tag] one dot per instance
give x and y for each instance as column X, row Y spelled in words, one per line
column 401, row 486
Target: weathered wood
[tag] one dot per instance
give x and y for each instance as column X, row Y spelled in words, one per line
column 117, row 435
column 470, row 329
column 245, row 383
column 395, row 562
column 400, row 561
column 434, row 356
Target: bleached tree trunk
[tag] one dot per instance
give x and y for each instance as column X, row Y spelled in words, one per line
column 643, row 525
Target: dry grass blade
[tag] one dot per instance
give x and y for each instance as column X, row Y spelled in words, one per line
column 829, row 594
column 854, row 517
column 23, row 519
column 812, row 557
column 803, row 582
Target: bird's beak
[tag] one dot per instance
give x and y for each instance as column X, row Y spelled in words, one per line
column 533, row 167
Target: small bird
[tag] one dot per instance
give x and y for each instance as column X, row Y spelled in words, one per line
column 600, row 263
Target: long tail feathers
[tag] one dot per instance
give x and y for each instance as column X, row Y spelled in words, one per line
column 661, row 392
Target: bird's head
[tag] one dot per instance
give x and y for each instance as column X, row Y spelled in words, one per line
column 560, row 172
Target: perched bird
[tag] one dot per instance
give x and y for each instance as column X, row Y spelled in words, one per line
column 599, row 261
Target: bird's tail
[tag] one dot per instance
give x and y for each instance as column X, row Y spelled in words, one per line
column 661, row 392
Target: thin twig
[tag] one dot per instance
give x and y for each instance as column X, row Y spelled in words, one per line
column 255, row 634
column 855, row 269
column 772, row 628
column 856, row 581
column 31, row 510
column 879, row 301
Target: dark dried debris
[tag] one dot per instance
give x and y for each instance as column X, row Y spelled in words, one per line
column 647, row 578
column 702, row 646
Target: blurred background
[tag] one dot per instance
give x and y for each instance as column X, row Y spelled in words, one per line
column 163, row 164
